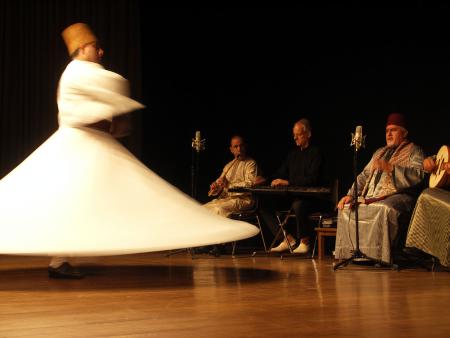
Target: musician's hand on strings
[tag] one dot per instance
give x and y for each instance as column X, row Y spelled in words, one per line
column 446, row 167
column 382, row 165
column 279, row 182
column 213, row 186
column 222, row 182
column 429, row 164
column 213, row 189
column 344, row 200
column 217, row 186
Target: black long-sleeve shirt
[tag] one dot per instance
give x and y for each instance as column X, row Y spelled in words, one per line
column 301, row 167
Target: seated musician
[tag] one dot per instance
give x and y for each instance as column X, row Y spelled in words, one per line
column 241, row 172
column 302, row 167
column 387, row 193
column 429, row 229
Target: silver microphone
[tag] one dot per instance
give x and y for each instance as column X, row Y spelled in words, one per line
column 358, row 138
column 197, row 142
column 198, row 139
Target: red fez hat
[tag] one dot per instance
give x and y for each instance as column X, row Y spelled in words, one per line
column 397, row 119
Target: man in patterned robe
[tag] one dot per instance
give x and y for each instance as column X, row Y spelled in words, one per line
column 386, row 196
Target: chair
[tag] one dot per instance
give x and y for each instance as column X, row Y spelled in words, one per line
column 284, row 216
column 250, row 216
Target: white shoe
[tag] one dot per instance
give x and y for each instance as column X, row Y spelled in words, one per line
column 302, row 248
column 283, row 246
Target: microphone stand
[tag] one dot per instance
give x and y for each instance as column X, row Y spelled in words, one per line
column 195, row 171
column 356, row 253
column 197, row 145
column 194, row 174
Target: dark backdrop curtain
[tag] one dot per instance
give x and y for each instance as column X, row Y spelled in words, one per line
column 33, row 56
column 255, row 71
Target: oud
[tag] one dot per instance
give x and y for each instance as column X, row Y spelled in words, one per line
column 439, row 177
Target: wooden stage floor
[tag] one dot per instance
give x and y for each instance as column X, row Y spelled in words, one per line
column 150, row 295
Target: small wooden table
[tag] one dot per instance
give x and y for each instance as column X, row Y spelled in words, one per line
column 321, row 234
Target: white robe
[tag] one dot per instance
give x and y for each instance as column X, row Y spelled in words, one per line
column 81, row 193
column 238, row 174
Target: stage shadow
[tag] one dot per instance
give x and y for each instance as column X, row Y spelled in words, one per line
column 105, row 277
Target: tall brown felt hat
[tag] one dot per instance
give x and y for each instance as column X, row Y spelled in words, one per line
column 77, row 35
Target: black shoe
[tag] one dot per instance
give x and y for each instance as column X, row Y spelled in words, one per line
column 65, row 271
column 215, row 251
column 412, row 252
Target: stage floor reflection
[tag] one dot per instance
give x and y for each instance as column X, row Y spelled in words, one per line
column 150, row 295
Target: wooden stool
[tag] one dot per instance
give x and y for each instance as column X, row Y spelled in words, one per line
column 321, row 234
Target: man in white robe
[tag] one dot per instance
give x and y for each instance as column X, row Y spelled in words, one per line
column 241, row 172
column 83, row 89
column 82, row 193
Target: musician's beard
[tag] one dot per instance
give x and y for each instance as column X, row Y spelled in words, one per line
column 391, row 145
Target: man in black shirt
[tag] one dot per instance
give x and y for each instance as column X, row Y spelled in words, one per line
column 301, row 167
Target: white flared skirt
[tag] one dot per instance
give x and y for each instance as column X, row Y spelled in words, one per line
column 81, row 193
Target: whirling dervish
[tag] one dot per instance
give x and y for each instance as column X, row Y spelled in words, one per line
column 81, row 193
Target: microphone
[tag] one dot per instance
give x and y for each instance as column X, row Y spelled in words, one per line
column 198, row 139
column 197, row 143
column 358, row 138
